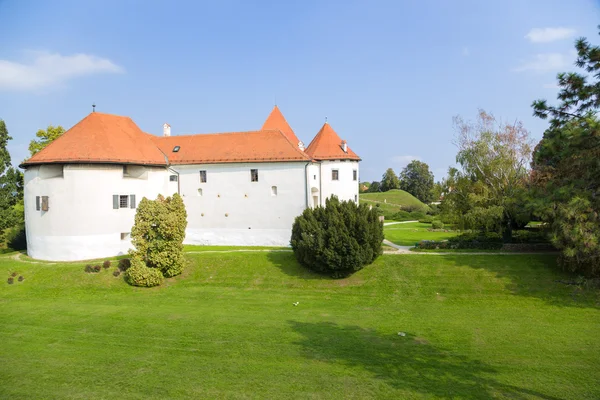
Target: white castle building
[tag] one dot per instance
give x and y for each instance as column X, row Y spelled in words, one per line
column 239, row 188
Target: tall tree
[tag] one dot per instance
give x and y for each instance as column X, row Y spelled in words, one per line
column 417, row 179
column 389, row 181
column 45, row 137
column 374, row 187
column 11, row 184
column 490, row 189
column 566, row 164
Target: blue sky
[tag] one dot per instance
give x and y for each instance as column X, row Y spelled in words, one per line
column 388, row 75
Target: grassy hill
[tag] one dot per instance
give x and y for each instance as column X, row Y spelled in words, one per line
column 395, row 200
column 472, row 327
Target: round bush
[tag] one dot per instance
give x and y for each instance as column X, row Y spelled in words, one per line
column 106, row 264
column 339, row 239
column 140, row 275
column 437, row 224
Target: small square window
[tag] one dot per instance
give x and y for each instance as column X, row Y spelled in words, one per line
column 354, row 175
column 173, row 178
column 203, row 176
column 199, row 192
column 356, row 198
column 123, row 201
column 315, row 177
column 253, row 175
column 273, row 190
column 335, row 175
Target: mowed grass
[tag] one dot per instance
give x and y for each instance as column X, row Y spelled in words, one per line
column 475, row 327
column 393, row 199
column 411, row 233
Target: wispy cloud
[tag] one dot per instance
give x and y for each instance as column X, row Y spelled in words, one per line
column 45, row 69
column 403, row 161
column 545, row 35
column 544, row 62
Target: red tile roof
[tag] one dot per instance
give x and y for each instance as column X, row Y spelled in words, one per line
column 101, row 138
column 327, row 145
column 106, row 138
column 276, row 121
column 255, row 146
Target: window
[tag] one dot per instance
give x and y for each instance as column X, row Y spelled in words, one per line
column 253, row 175
column 173, row 178
column 44, row 203
column 123, row 201
column 273, row 190
column 202, row 176
column 125, row 171
column 176, row 149
column 125, row 235
column 335, row 175
column 356, row 198
column 38, row 204
column 199, row 192
column 315, row 177
column 354, row 174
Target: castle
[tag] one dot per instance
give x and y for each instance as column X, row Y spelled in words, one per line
column 239, row 188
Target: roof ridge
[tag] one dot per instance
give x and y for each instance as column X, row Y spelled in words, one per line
column 214, row 134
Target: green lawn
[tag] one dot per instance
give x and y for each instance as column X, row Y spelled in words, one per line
column 414, row 232
column 476, row 327
column 393, row 198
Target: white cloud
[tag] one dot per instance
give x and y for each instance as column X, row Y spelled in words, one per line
column 544, row 62
column 545, row 35
column 46, row 69
column 403, row 161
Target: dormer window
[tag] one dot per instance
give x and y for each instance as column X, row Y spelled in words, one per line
column 176, row 149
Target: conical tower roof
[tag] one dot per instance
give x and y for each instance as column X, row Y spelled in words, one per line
column 327, row 145
column 276, row 121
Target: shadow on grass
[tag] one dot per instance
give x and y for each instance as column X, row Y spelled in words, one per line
column 287, row 263
column 405, row 362
column 533, row 276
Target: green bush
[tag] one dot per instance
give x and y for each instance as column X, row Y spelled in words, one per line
column 124, row 264
column 338, row 239
column 426, row 220
column 16, row 238
column 437, row 224
column 158, row 234
column 530, row 236
column 140, row 275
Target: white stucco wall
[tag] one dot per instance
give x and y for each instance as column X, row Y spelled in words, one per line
column 233, row 210
column 345, row 188
column 81, row 222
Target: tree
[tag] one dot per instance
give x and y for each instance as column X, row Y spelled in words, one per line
column 11, row 186
column 374, row 187
column 339, row 239
column 45, row 138
column 157, row 236
column 566, row 164
column 437, row 191
column 417, row 179
column 490, row 190
column 389, row 181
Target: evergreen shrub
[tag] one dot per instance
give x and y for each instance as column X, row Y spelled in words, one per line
column 338, row 239
column 437, row 224
column 140, row 275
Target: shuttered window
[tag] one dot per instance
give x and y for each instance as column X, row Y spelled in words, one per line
column 45, row 203
column 124, row 201
column 335, row 175
column 203, row 176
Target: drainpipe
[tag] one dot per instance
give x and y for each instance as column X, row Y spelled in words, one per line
column 306, row 189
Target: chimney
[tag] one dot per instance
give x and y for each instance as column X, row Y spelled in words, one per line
column 166, row 129
column 344, row 146
column 301, row 145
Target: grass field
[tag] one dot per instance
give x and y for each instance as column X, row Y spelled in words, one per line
column 476, row 327
column 394, row 200
column 411, row 233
